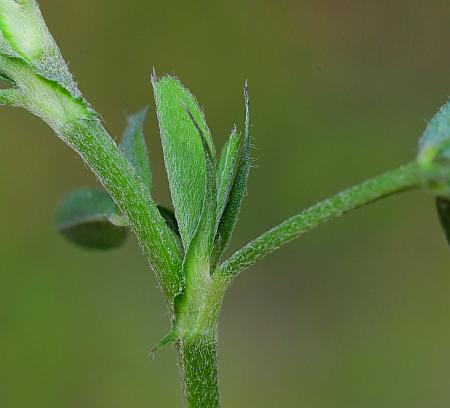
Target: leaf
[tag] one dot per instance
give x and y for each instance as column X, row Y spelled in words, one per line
column 89, row 218
column 196, row 263
column 134, row 148
column 169, row 338
column 183, row 152
column 237, row 193
column 225, row 172
column 436, row 137
column 434, row 152
column 443, row 210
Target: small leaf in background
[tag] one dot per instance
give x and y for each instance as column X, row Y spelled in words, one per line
column 89, row 218
column 225, row 172
column 134, row 148
column 443, row 209
column 183, row 152
column 237, row 193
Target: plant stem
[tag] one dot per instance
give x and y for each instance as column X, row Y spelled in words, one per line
column 102, row 155
column 395, row 181
column 197, row 328
column 75, row 122
column 198, row 363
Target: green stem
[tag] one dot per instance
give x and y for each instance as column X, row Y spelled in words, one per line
column 198, row 363
column 401, row 179
column 197, row 328
column 102, row 155
column 80, row 127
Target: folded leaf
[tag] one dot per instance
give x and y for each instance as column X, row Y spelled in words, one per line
column 134, row 148
column 197, row 259
column 203, row 240
column 183, row 152
column 237, row 193
column 225, row 172
column 89, row 217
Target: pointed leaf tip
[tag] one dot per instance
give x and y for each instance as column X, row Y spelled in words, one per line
column 225, row 172
column 169, row 338
column 183, row 151
column 238, row 190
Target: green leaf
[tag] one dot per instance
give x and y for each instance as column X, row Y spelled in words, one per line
column 437, row 134
column 225, row 172
column 237, row 193
column 206, row 231
column 134, row 148
column 434, row 152
column 443, row 210
column 183, row 152
column 169, row 338
column 89, row 218
column 196, row 265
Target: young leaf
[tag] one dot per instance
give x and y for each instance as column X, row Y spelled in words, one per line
column 238, row 191
column 443, row 210
column 183, row 152
column 134, row 148
column 89, row 218
column 225, row 172
column 196, row 264
column 204, row 237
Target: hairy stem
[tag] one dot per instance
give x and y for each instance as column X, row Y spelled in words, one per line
column 197, row 328
column 79, row 126
column 198, row 363
column 401, row 179
column 102, row 155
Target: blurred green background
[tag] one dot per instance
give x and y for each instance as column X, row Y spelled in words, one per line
column 355, row 314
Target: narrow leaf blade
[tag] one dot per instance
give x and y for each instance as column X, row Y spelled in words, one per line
column 134, row 147
column 89, row 218
column 237, row 193
column 183, row 152
column 225, row 172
